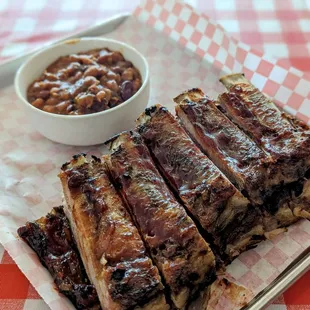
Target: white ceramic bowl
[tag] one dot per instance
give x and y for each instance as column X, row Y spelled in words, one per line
column 87, row 129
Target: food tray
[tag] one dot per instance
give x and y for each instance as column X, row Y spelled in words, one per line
column 186, row 50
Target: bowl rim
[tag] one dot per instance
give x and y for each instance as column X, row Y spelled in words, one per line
column 74, row 41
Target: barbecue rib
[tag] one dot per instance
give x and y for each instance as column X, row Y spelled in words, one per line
column 181, row 254
column 270, row 128
column 243, row 162
column 110, row 246
column 285, row 138
column 51, row 238
column 207, row 194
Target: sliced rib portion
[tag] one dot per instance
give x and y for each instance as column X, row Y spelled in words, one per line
column 207, row 194
column 51, row 238
column 243, row 162
column 229, row 148
column 270, row 128
column 110, row 246
column 179, row 251
column 284, row 137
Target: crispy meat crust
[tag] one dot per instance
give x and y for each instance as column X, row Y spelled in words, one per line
column 282, row 136
column 228, row 147
column 214, row 202
column 253, row 171
column 183, row 257
column 110, row 245
column 51, row 238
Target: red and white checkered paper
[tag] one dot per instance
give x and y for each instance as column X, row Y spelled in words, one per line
column 184, row 50
column 279, row 27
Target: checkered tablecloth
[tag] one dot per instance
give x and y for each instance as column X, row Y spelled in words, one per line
column 280, row 27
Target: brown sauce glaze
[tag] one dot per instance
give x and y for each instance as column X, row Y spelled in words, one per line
column 265, row 123
column 115, row 255
column 51, row 238
column 183, row 257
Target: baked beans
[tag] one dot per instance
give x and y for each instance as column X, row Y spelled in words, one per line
column 85, row 83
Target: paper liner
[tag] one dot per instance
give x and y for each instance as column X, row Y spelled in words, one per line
column 184, row 50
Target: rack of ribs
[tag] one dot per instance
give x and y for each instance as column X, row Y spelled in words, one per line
column 51, row 238
column 284, row 137
column 249, row 168
column 110, row 245
column 220, row 209
column 183, row 257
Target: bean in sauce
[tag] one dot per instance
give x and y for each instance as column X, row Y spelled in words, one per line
column 85, row 83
